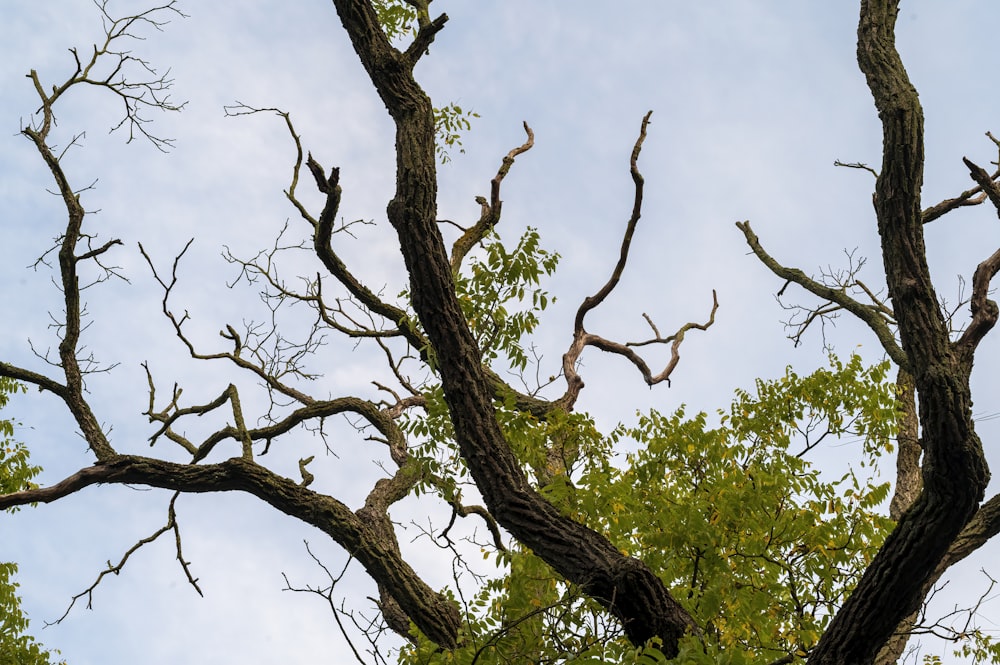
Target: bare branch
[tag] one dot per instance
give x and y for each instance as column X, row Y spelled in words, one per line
column 593, row 301
column 43, row 382
column 425, row 36
column 969, row 197
column 856, row 165
column 872, row 315
column 459, row 510
column 433, row 613
column 984, row 309
column 327, row 594
column 986, row 183
column 583, row 339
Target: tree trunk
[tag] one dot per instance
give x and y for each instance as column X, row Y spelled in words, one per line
column 954, row 470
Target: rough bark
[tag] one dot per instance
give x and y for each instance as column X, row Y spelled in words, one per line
column 954, row 470
column 628, row 588
column 908, row 479
column 908, row 486
column 361, row 533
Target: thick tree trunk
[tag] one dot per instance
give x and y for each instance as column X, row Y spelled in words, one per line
column 954, row 470
column 629, row 589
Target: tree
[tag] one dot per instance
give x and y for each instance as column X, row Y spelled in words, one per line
column 454, row 331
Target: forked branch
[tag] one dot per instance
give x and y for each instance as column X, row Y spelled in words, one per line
column 873, row 315
column 583, row 339
column 117, row 568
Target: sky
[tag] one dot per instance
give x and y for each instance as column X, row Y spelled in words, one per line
column 752, row 104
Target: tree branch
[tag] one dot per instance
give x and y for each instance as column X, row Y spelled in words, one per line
column 435, row 615
column 490, row 215
column 583, row 339
column 629, row 589
column 954, row 469
column 872, row 315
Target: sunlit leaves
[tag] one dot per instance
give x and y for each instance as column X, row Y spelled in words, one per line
column 397, row 18
column 501, row 295
column 759, row 544
column 756, row 542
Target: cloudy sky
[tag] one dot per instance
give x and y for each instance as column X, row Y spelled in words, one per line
column 752, row 104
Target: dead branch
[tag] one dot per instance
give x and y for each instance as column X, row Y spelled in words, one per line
column 433, row 613
column 459, row 510
column 326, row 592
column 490, row 214
column 583, row 339
column 149, row 91
column 986, row 182
column 171, row 525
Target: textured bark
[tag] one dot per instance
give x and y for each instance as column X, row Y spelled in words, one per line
column 909, row 481
column 908, row 485
column 954, row 469
column 628, row 588
column 984, row 525
column 362, row 534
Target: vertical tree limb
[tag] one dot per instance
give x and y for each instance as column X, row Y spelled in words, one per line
column 954, row 471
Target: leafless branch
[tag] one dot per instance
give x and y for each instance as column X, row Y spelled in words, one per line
column 326, row 592
column 490, row 214
column 133, row 80
column 856, row 165
column 872, row 315
column 459, row 510
column 583, row 339
column 171, row 525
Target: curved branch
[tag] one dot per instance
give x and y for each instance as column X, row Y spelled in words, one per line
column 593, row 301
column 872, row 315
column 490, row 215
column 984, row 310
column 424, row 38
column 583, row 339
column 116, row 569
column 955, row 473
column 434, row 614
column 627, row 587
column 333, row 263
column 27, row 376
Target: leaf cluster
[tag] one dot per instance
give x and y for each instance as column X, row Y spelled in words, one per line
column 450, row 122
column 757, row 543
column 501, row 296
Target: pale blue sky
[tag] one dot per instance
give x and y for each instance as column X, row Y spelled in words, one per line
column 752, row 104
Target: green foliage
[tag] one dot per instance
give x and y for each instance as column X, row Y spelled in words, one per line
column 450, row 122
column 755, row 541
column 758, row 545
column 16, row 648
column 15, row 471
column 398, row 19
column 501, row 296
